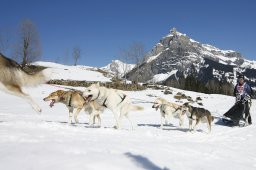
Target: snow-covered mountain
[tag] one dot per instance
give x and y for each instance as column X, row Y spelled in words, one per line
column 178, row 55
column 118, row 68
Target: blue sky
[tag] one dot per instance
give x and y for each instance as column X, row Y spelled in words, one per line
column 101, row 27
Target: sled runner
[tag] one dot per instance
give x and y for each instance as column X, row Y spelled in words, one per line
column 229, row 122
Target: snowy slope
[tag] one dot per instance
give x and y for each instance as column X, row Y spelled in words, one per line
column 83, row 73
column 47, row 141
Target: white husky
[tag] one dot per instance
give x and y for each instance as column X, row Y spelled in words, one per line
column 115, row 100
column 167, row 110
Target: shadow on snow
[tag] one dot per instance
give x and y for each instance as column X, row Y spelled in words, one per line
column 144, row 162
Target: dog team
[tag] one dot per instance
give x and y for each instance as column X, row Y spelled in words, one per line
column 95, row 99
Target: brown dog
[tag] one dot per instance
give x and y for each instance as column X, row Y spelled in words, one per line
column 74, row 100
column 13, row 78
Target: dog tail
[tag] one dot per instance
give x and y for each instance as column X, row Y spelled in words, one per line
column 136, row 108
column 22, row 78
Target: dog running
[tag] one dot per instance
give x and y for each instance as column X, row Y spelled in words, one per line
column 13, row 78
column 73, row 99
column 167, row 110
column 197, row 114
column 115, row 100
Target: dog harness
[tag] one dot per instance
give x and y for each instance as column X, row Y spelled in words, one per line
column 191, row 113
column 104, row 102
column 163, row 106
column 70, row 100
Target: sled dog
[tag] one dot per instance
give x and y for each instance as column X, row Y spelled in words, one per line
column 13, row 78
column 115, row 100
column 168, row 110
column 74, row 100
column 197, row 114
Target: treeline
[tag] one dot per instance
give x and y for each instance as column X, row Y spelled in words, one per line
column 211, row 87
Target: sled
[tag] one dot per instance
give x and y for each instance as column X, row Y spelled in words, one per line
column 229, row 122
column 235, row 115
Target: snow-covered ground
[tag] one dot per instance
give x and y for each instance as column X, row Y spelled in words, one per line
column 46, row 141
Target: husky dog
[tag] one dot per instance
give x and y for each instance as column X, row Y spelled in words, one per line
column 13, row 78
column 167, row 110
column 74, row 100
column 197, row 114
column 115, row 100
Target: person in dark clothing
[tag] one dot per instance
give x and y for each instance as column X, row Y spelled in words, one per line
column 243, row 93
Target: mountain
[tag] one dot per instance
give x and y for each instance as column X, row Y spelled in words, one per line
column 118, row 68
column 177, row 55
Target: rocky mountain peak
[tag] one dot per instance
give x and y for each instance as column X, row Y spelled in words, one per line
column 178, row 53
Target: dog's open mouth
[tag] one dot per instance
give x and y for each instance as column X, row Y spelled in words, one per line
column 52, row 103
column 88, row 98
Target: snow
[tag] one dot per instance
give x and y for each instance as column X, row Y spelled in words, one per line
column 212, row 48
column 153, row 57
column 118, row 67
column 162, row 77
column 46, row 141
column 249, row 64
column 80, row 73
column 193, row 41
column 208, row 49
column 171, row 34
column 233, row 59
